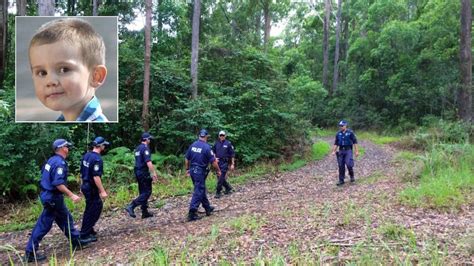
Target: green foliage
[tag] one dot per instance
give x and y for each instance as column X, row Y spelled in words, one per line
column 296, row 164
column 319, row 150
column 447, row 180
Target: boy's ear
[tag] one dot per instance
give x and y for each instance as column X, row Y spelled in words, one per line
column 98, row 76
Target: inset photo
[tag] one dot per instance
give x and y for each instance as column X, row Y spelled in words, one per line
column 66, row 69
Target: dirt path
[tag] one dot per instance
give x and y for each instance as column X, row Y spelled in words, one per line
column 295, row 215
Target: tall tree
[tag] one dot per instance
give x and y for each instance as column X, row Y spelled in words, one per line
column 3, row 39
column 146, row 78
column 21, row 7
column 267, row 17
column 327, row 14
column 46, row 7
column 336, row 52
column 94, row 8
column 195, row 47
column 465, row 91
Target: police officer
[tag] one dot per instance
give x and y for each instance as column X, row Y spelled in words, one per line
column 346, row 140
column 92, row 188
column 224, row 152
column 143, row 167
column 53, row 186
column 198, row 157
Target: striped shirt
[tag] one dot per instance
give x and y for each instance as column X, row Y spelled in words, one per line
column 92, row 112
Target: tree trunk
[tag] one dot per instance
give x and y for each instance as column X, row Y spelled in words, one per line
column 21, row 7
column 336, row 52
column 258, row 26
column 268, row 23
column 327, row 14
column 465, row 91
column 146, row 78
column 3, row 39
column 46, row 8
column 95, row 8
column 195, row 48
column 71, row 7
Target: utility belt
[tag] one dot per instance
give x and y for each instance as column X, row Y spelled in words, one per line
column 54, row 192
column 345, row 148
column 223, row 160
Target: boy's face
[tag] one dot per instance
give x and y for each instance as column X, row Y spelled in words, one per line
column 61, row 79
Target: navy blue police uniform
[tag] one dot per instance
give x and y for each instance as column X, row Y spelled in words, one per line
column 199, row 154
column 142, row 174
column 224, row 151
column 345, row 141
column 53, row 174
column 91, row 166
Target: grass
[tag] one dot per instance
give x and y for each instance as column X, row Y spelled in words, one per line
column 447, row 180
column 377, row 138
column 319, row 150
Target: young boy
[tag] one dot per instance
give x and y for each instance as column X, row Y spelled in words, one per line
column 67, row 58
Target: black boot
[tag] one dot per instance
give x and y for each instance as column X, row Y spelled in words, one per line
column 80, row 243
column 209, row 211
column 30, row 257
column 146, row 214
column 218, row 195
column 193, row 216
column 352, row 179
column 340, row 183
column 130, row 209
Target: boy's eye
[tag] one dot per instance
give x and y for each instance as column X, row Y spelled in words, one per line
column 41, row 73
column 63, row 70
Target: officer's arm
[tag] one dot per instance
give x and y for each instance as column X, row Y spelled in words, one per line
column 68, row 192
column 151, row 168
column 216, row 166
column 98, row 183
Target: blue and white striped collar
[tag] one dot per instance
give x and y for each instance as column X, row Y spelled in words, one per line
column 92, row 112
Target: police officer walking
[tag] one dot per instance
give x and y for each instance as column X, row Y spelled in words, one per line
column 198, row 157
column 92, row 188
column 53, row 186
column 143, row 167
column 224, row 152
column 345, row 140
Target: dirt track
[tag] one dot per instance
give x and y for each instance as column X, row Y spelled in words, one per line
column 301, row 210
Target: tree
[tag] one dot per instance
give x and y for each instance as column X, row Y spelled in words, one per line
column 3, row 39
column 146, row 78
column 195, row 47
column 21, row 7
column 267, row 23
column 46, row 7
column 336, row 52
column 465, row 91
column 94, row 8
column 327, row 14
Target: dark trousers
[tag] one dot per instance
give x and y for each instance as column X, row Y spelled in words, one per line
column 54, row 210
column 93, row 208
column 222, row 179
column 145, row 189
column 198, row 176
column 344, row 158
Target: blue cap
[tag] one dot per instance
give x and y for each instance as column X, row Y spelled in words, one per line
column 59, row 143
column 100, row 141
column 147, row 135
column 203, row 133
column 343, row 123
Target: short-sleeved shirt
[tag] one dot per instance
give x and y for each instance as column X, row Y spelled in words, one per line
column 200, row 154
column 91, row 165
column 223, row 149
column 347, row 138
column 54, row 173
column 142, row 157
column 92, row 112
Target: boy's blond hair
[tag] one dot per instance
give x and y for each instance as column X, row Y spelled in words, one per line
column 77, row 32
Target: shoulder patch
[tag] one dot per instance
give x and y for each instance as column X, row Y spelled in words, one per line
column 60, row 171
column 146, row 152
column 47, row 167
column 96, row 167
